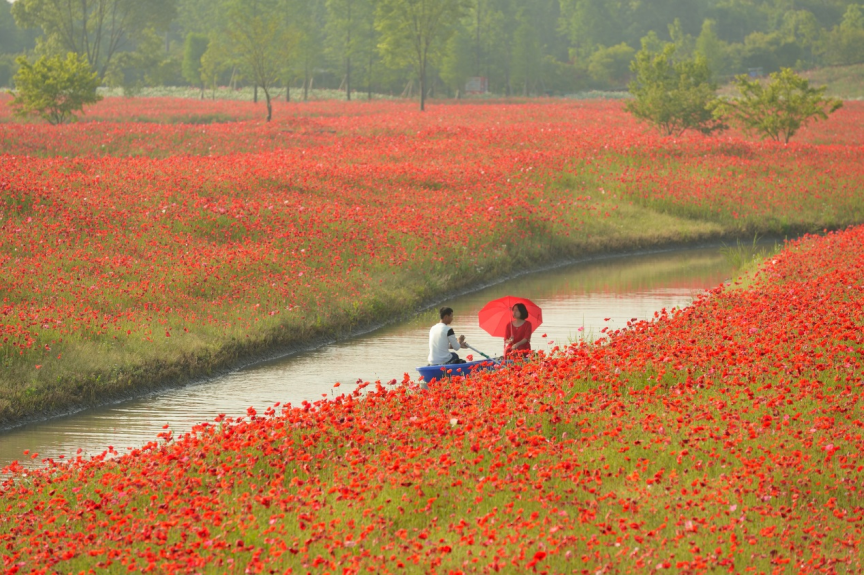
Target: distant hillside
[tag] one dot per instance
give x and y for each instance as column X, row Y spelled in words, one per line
column 845, row 82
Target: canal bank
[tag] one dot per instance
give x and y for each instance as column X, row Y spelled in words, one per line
column 577, row 298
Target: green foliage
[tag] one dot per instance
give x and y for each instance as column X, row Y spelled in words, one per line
column 777, row 109
column 309, row 23
column 201, row 16
column 415, row 32
column 492, row 25
column 96, row 29
column 711, row 48
column 54, row 88
column 845, row 43
column 135, row 69
column 215, row 60
column 13, row 40
column 527, row 56
column 684, row 43
column 194, row 48
column 674, row 95
column 457, row 65
column 262, row 43
column 8, row 67
column 526, row 45
column 610, row 67
column 351, row 35
column 591, row 24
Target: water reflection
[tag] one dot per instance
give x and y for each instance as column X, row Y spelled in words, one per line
column 576, row 301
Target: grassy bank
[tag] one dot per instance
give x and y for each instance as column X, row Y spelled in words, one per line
column 725, row 436
column 219, row 244
column 844, row 82
column 78, row 377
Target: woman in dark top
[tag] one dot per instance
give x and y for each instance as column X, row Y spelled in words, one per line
column 517, row 338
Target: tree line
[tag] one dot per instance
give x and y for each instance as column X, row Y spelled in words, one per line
column 285, row 48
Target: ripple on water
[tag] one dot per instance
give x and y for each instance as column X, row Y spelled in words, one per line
column 575, row 301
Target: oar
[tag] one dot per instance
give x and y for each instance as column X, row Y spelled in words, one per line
column 483, row 354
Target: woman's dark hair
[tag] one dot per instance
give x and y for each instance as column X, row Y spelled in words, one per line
column 523, row 311
column 445, row 311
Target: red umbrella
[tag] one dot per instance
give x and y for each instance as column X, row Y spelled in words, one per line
column 496, row 314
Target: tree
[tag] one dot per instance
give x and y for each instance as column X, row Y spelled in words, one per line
column 54, row 88
column 590, row 23
column 216, row 60
column 201, row 16
column 845, row 43
column 347, row 30
column 457, row 65
column 13, row 40
column 194, row 48
column 309, row 17
column 492, row 25
column 261, row 42
column 710, row 47
column 675, row 95
column 415, row 32
column 134, row 69
column 527, row 57
column 779, row 108
column 611, row 66
column 95, row 29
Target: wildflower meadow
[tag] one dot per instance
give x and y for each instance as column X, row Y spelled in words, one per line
column 159, row 240
column 141, row 252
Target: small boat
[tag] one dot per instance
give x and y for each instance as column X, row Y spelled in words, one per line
column 432, row 372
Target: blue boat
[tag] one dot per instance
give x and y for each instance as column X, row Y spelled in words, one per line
column 432, row 372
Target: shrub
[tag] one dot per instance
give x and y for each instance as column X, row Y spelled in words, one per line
column 54, row 88
column 777, row 109
column 675, row 96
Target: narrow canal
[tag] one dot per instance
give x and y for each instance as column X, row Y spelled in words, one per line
column 576, row 302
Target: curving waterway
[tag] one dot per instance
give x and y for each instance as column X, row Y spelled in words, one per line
column 576, row 302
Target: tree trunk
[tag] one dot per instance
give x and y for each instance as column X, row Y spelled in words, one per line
column 348, row 78
column 287, row 91
column 255, row 94
column 477, row 69
column 269, row 104
column 369, row 81
column 423, row 86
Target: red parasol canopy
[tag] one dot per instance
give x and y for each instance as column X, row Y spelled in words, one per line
column 496, row 314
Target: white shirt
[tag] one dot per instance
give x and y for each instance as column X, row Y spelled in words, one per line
column 441, row 339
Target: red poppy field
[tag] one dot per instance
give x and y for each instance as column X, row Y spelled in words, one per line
column 140, row 246
column 723, row 437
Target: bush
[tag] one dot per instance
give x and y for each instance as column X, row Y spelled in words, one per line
column 779, row 108
column 54, row 88
column 675, row 96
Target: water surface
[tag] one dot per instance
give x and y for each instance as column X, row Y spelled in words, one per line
column 576, row 302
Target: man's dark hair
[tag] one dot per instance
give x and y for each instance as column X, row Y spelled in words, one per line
column 445, row 311
column 523, row 311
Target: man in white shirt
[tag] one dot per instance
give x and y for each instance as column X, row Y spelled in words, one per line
column 443, row 343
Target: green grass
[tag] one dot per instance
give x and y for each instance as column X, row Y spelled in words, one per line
column 95, row 369
column 613, row 202
column 844, row 82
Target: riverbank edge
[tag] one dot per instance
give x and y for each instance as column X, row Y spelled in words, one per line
column 153, row 377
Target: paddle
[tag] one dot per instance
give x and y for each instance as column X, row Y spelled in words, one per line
column 474, row 349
